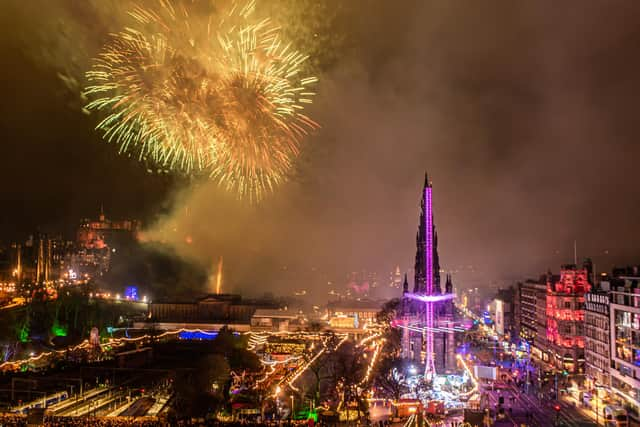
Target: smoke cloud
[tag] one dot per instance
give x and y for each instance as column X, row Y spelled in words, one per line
column 522, row 113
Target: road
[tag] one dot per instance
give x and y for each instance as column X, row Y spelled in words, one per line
column 522, row 408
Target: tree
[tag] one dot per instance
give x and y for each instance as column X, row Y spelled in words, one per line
column 349, row 367
column 202, row 390
column 389, row 378
column 320, row 373
column 388, row 312
column 314, row 326
column 214, row 374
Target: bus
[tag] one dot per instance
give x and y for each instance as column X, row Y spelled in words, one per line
column 615, row 416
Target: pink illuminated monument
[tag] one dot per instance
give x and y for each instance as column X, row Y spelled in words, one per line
column 427, row 320
column 430, row 368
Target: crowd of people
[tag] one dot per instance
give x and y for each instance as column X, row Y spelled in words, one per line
column 21, row 421
column 11, row 420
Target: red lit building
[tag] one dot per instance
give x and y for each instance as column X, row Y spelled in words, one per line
column 100, row 233
column 565, row 317
column 97, row 242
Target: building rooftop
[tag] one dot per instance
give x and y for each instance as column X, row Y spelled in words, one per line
column 208, row 298
column 275, row 313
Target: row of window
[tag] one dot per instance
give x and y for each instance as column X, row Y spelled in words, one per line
column 596, row 321
column 570, row 305
column 628, row 354
column 593, row 360
column 596, row 308
column 596, row 347
column 597, row 335
column 597, row 298
column 626, row 336
column 627, row 319
column 626, row 299
column 570, row 328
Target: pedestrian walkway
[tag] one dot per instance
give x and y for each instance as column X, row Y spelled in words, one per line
column 76, row 398
column 120, row 409
column 160, row 403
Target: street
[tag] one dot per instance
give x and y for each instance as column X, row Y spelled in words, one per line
column 522, row 408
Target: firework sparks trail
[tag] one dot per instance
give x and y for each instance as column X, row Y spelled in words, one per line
column 216, row 93
column 219, row 278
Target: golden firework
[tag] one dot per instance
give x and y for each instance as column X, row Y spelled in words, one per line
column 199, row 89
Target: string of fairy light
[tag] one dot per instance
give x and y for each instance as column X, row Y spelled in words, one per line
column 86, row 344
column 374, row 340
column 306, row 365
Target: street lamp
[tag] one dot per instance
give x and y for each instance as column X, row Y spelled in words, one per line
column 276, row 396
column 292, row 411
column 557, row 408
column 597, row 397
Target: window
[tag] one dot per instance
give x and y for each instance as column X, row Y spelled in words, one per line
column 567, row 304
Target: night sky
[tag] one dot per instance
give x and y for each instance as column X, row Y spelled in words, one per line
column 524, row 113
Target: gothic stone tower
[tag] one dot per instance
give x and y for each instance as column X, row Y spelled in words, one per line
column 435, row 347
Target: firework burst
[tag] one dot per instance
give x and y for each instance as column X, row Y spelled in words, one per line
column 201, row 90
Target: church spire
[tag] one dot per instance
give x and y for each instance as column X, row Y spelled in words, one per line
column 427, row 263
column 405, row 284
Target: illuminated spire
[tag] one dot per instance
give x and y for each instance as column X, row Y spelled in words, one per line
column 448, row 285
column 427, row 263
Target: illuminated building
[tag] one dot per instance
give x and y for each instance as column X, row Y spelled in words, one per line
column 597, row 336
column 131, row 293
column 565, row 317
column 624, row 318
column 361, row 283
column 215, row 311
column 540, row 343
column 98, row 240
column 103, row 232
column 517, row 315
column 269, row 319
column 208, row 313
column 395, row 279
column 471, row 299
column 502, row 308
column 533, row 315
column 354, row 313
column 498, row 316
column 42, row 258
column 282, row 345
column 427, row 313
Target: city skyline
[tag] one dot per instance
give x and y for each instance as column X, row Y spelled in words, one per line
column 319, row 213
column 529, row 148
